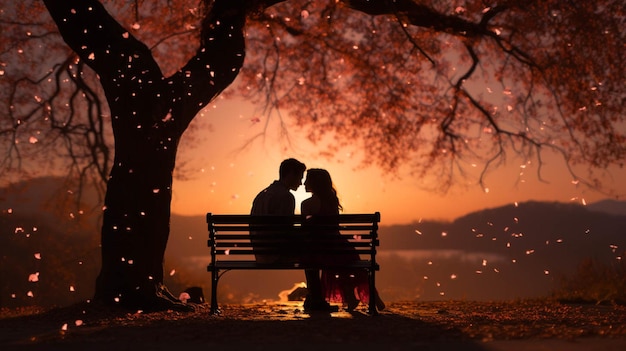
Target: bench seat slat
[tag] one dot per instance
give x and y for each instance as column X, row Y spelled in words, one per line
column 282, row 237
column 319, row 245
column 290, row 229
column 237, row 251
column 225, row 264
column 257, row 219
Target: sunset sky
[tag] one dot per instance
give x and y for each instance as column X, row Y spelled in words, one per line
column 223, row 178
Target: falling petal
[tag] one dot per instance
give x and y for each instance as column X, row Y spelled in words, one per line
column 184, row 297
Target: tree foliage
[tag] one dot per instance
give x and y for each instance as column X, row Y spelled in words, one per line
column 443, row 88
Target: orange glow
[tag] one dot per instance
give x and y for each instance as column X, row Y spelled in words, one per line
column 225, row 179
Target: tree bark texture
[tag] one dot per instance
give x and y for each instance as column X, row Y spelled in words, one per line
column 149, row 113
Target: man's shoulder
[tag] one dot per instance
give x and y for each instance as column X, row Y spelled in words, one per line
column 277, row 188
column 275, row 199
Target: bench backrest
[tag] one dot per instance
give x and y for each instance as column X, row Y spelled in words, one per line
column 233, row 236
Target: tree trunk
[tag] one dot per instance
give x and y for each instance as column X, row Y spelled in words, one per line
column 149, row 114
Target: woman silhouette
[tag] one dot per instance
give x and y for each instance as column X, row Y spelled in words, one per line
column 345, row 286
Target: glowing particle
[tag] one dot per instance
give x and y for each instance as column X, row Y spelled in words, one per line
column 78, row 323
column 453, row 276
column 183, row 297
column 33, row 140
column 34, row 277
column 172, row 272
column 30, row 294
column 64, row 327
column 125, row 35
column 38, row 256
column 444, row 234
column 418, row 232
column 72, row 289
column 136, row 26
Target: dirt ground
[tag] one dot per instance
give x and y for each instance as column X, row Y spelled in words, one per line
column 445, row 325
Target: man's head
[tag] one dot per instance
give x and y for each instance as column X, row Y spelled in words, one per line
column 291, row 172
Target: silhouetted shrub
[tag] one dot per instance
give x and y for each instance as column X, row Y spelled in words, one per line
column 594, row 282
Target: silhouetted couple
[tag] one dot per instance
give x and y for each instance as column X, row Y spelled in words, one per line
column 347, row 287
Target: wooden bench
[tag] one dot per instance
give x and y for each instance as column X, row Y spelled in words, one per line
column 292, row 242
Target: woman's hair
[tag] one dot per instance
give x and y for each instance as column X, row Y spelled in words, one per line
column 320, row 183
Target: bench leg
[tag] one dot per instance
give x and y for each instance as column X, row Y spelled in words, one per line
column 372, row 310
column 215, row 276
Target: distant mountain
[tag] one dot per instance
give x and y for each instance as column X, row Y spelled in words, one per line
column 50, row 197
column 609, row 206
column 505, row 252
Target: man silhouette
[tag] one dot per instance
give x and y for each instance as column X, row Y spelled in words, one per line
column 277, row 199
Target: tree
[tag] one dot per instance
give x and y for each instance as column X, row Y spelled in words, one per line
column 149, row 113
column 444, row 88
column 405, row 77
